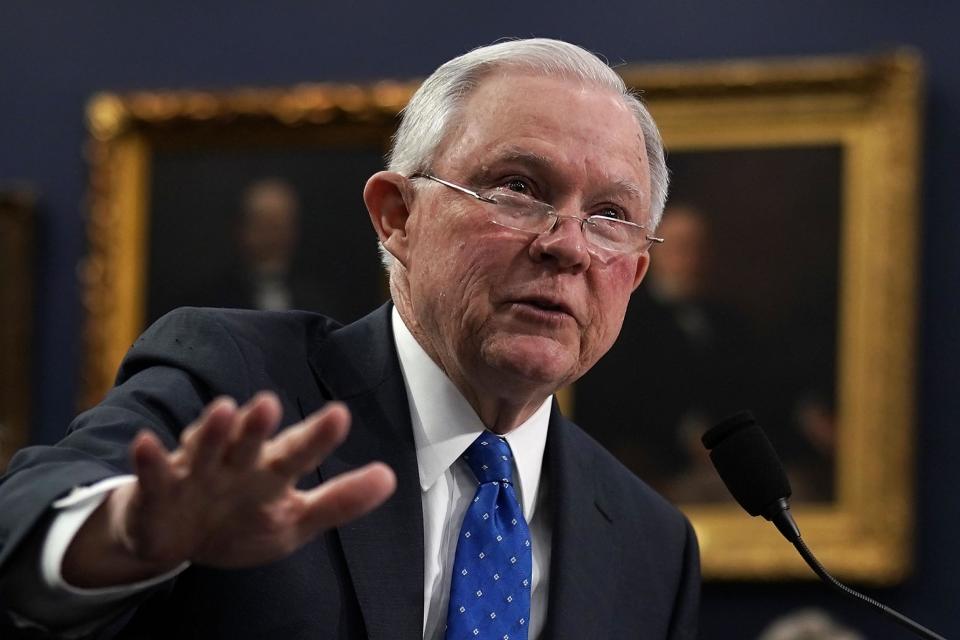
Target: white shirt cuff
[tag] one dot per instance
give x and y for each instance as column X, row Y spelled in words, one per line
column 49, row 602
column 74, row 509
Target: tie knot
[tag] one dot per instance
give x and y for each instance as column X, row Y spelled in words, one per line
column 490, row 459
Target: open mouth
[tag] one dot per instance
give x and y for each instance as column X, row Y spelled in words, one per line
column 547, row 307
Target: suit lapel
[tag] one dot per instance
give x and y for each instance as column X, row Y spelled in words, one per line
column 583, row 571
column 384, row 550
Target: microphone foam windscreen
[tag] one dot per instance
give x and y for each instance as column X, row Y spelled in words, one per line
column 747, row 463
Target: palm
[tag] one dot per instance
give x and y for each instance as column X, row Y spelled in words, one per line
column 227, row 497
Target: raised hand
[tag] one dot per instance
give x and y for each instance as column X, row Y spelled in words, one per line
column 225, row 498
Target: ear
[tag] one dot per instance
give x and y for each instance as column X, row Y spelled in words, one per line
column 386, row 203
column 643, row 263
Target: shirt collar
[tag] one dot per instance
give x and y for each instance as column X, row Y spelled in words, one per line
column 444, row 423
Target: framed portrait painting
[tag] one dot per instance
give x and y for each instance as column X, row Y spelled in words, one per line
column 787, row 286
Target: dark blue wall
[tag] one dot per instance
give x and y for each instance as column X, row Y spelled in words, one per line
column 53, row 56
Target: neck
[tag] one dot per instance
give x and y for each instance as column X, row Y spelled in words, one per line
column 500, row 412
column 503, row 417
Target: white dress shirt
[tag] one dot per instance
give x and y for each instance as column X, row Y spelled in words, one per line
column 444, row 425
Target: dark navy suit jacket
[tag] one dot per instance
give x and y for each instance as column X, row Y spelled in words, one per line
column 624, row 563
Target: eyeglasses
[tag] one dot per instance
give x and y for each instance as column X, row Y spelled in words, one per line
column 523, row 213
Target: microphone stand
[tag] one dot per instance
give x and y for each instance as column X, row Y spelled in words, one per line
column 780, row 515
column 749, row 466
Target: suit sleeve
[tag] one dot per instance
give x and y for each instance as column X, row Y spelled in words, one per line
column 166, row 379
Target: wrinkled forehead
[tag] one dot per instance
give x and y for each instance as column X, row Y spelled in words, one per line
column 561, row 123
column 515, row 97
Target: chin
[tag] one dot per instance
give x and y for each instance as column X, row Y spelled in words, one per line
column 536, row 360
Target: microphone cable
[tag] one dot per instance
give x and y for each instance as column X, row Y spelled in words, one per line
column 749, row 466
column 824, row 575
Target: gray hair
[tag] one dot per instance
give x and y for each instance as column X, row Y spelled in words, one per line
column 434, row 108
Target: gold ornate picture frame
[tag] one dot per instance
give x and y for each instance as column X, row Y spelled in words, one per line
column 855, row 120
column 870, row 109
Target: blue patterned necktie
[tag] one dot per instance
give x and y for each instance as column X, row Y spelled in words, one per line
column 492, row 570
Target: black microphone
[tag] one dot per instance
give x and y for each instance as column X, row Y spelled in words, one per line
column 749, row 466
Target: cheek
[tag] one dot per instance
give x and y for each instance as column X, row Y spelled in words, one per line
column 455, row 281
column 611, row 294
column 479, row 276
column 476, row 261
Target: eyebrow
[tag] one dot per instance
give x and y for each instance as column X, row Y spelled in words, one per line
column 617, row 186
column 519, row 156
column 630, row 188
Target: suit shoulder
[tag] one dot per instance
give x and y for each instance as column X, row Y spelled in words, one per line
column 242, row 323
column 635, row 494
column 223, row 340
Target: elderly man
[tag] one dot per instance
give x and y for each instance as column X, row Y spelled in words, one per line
column 524, row 186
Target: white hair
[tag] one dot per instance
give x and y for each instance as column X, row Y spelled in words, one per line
column 434, row 108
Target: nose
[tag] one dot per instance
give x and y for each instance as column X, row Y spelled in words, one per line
column 564, row 244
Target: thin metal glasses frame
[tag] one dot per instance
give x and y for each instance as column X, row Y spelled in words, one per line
column 547, row 208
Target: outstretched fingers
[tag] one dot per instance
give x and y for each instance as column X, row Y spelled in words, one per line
column 300, row 448
column 346, row 497
column 152, row 465
column 256, row 421
column 226, row 468
column 204, row 441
